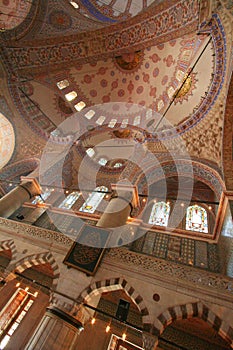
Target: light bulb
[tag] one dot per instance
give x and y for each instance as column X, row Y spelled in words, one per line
column 107, row 328
column 93, row 321
column 124, row 336
column 17, row 284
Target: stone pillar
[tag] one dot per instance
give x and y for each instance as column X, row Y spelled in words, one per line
column 223, row 230
column 150, row 342
column 15, row 198
column 57, row 331
column 58, row 328
column 123, row 200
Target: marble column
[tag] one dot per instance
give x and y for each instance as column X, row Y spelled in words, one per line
column 119, row 208
column 27, row 189
column 57, row 330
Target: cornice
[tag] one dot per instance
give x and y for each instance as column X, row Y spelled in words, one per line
column 208, row 285
column 175, row 275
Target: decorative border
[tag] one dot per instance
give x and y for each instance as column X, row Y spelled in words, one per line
column 38, row 259
column 112, row 284
column 134, row 261
column 170, row 271
column 145, row 30
column 187, row 311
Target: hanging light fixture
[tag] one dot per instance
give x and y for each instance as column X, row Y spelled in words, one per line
column 107, row 328
column 93, row 320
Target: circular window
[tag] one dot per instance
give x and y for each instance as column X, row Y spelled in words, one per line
column 7, row 140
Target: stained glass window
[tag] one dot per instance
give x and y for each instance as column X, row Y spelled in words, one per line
column 196, row 219
column 160, row 214
column 124, row 123
column 137, row 120
column 71, row 95
column 94, row 200
column 68, row 202
column 103, row 161
column 13, row 313
column 79, row 106
column 117, row 165
column 90, row 114
column 112, row 123
column 100, row 120
column 42, row 198
column 62, row 84
column 90, row 152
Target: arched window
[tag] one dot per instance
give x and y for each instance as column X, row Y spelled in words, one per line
column 42, row 198
column 94, row 200
column 117, row 165
column 68, row 202
column 160, row 214
column 90, row 152
column 196, row 219
column 103, row 161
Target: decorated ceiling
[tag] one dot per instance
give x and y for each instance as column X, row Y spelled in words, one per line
column 177, row 68
column 13, row 13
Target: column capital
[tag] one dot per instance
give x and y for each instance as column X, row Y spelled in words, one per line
column 228, row 194
column 31, row 185
column 124, row 188
column 225, row 200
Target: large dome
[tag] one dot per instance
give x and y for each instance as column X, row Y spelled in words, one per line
column 7, row 140
column 13, row 13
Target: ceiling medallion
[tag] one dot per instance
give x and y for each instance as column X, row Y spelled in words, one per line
column 60, row 20
column 129, row 61
column 187, row 88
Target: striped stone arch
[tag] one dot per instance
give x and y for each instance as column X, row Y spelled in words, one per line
column 38, row 259
column 201, row 172
column 190, row 310
column 9, row 245
column 113, row 284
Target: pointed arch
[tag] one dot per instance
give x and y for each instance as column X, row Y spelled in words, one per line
column 181, row 167
column 9, row 245
column 38, row 259
column 190, row 310
column 114, row 284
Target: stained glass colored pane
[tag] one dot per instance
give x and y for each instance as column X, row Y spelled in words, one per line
column 103, row 161
column 196, row 219
column 117, row 165
column 44, row 195
column 159, row 214
column 69, row 201
column 90, row 152
column 94, row 200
